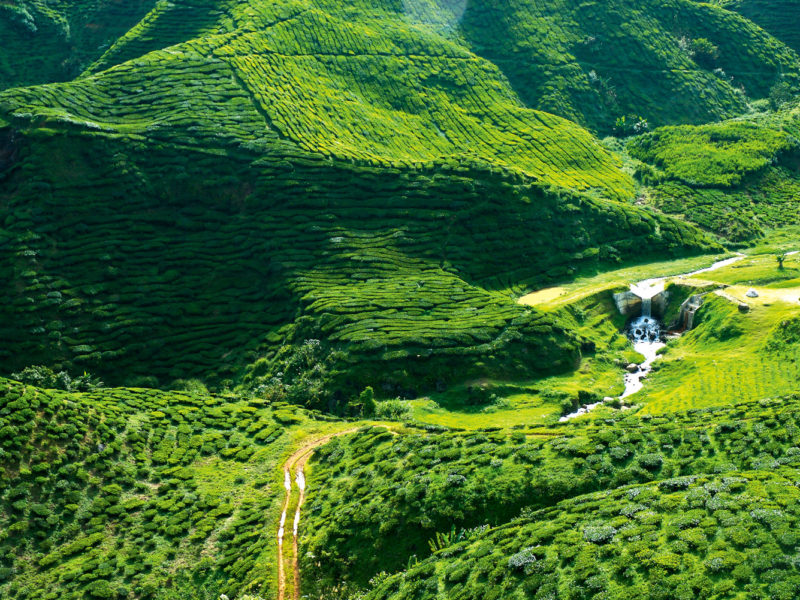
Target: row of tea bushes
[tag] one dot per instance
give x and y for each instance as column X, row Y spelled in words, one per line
column 707, row 536
column 378, row 499
column 109, row 494
column 595, row 63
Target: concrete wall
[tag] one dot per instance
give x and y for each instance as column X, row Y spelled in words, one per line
column 630, row 305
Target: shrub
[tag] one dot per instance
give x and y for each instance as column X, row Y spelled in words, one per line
column 704, row 52
column 367, row 401
column 393, row 410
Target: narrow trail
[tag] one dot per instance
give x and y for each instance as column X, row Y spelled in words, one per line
column 295, row 464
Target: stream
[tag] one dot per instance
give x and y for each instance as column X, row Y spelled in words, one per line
column 645, row 333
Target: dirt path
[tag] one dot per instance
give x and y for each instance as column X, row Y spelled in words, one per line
column 295, row 464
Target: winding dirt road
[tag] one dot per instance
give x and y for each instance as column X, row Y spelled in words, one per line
column 295, row 464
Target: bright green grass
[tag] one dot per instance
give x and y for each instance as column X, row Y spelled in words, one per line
column 785, row 239
column 725, row 359
column 574, row 291
column 757, row 270
column 515, row 409
column 521, row 403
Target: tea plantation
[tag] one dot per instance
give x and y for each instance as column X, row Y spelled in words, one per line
column 382, row 498
column 58, row 39
column 191, row 211
column 737, row 179
column 609, row 65
column 777, row 18
column 713, row 536
column 122, row 492
column 336, row 300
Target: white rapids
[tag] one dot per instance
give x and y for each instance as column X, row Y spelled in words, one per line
column 645, row 332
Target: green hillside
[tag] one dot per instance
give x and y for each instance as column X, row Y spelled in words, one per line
column 379, row 499
column 123, row 492
column 737, row 179
column 394, row 299
column 717, row 536
column 599, row 61
column 129, row 185
column 778, row 17
column 55, row 40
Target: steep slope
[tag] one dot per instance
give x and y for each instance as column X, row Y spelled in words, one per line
column 668, row 61
column 57, row 39
column 310, row 148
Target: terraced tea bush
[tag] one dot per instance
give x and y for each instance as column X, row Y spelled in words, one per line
column 57, row 40
column 737, row 179
column 775, row 16
column 718, row 155
column 367, row 228
column 376, row 499
column 111, row 494
column 710, row 536
column 599, row 62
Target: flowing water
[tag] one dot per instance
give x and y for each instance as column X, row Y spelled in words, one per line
column 645, row 332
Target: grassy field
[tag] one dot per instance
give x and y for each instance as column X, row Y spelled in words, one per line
column 731, row 356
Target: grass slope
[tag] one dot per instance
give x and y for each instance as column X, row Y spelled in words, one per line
column 730, row 356
column 125, row 493
column 330, row 173
column 378, row 499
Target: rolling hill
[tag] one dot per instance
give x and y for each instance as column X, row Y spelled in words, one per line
column 398, row 241
column 354, row 180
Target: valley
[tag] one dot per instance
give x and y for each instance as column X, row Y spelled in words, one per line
column 386, row 300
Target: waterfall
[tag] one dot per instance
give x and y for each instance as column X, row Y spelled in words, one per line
column 646, row 306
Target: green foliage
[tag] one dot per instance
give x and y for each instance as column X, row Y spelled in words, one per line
column 392, row 410
column 645, row 541
column 123, row 493
column 704, row 52
column 780, row 94
column 718, row 155
column 629, row 125
column 416, row 485
column 45, row 377
column 367, row 401
column 594, row 62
